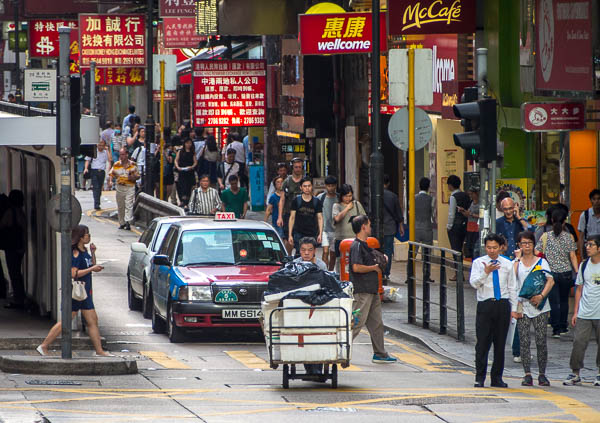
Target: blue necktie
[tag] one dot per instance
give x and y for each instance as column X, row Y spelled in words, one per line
column 496, row 277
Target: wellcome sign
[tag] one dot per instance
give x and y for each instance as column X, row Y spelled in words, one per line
column 431, row 16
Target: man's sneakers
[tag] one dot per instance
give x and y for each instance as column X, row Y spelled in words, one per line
column 574, row 379
column 597, row 381
column 378, row 359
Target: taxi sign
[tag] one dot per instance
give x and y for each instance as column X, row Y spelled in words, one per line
column 227, row 216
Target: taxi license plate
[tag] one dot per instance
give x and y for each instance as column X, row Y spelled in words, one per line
column 241, row 314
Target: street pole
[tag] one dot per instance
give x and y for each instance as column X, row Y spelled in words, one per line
column 162, row 123
column 376, row 159
column 18, row 94
column 486, row 210
column 92, row 88
column 150, row 103
column 64, row 105
column 411, row 144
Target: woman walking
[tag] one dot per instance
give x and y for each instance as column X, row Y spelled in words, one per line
column 559, row 247
column 210, row 153
column 83, row 264
column 529, row 311
column 273, row 205
column 342, row 212
column 185, row 163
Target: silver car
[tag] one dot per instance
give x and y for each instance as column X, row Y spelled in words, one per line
column 138, row 270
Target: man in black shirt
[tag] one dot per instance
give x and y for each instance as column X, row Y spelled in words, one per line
column 364, row 275
column 306, row 216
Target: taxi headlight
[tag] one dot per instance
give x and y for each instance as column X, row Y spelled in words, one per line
column 199, row 293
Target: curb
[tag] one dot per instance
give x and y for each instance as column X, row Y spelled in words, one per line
column 432, row 346
column 101, row 366
column 78, row 343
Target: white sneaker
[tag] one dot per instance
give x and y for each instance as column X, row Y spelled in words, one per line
column 597, row 381
column 517, row 359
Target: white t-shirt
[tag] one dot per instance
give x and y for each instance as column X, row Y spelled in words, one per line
column 198, row 146
column 529, row 309
column 240, row 151
column 589, row 305
column 139, row 156
column 99, row 162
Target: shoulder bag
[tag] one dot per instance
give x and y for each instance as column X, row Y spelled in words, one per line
column 78, row 293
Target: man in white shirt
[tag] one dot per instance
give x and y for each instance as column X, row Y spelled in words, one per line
column 493, row 277
column 96, row 166
column 586, row 316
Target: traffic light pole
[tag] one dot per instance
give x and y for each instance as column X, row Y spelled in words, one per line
column 486, row 210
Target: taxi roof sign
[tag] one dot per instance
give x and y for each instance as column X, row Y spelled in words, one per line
column 225, row 216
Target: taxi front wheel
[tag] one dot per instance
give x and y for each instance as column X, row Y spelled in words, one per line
column 175, row 333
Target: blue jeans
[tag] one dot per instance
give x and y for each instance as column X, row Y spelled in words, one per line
column 388, row 250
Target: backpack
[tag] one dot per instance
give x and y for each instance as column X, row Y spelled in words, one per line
column 586, row 215
column 315, row 201
column 583, row 266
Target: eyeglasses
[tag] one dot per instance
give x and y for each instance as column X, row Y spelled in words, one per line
column 526, row 243
column 590, row 244
column 507, row 208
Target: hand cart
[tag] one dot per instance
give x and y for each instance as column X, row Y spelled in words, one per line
column 291, row 345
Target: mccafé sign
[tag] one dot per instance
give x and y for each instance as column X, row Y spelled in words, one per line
column 339, row 33
column 431, row 16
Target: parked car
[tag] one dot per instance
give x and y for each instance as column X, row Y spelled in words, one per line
column 140, row 259
column 212, row 274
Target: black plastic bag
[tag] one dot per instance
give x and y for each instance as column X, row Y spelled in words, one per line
column 296, row 275
column 316, row 298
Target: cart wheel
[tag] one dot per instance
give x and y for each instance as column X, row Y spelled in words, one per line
column 334, row 372
column 286, row 377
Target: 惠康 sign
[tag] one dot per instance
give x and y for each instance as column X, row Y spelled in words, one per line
column 339, row 33
column 431, row 16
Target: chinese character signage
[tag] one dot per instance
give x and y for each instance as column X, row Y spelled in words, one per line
column 43, row 36
column 339, row 33
column 180, row 33
column 229, row 92
column 563, row 59
column 74, row 52
column 431, row 16
column 177, row 8
column 112, row 40
column 207, row 17
column 543, row 117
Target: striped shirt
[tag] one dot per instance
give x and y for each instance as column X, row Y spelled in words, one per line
column 121, row 173
column 204, row 203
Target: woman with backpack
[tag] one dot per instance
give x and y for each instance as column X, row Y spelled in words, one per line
column 559, row 248
column 342, row 212
column 533, row 311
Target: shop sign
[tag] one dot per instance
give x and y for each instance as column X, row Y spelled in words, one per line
column 207, row 17
column 431, row 17
column 43, row 36
column 452, row 91
column 74, row 51
column 119, row 76
column 177, row 8
column 339, row 33
column 553, row 116
column 112, row 40
column 229, row 92
column 180, row 33
column 563, row 59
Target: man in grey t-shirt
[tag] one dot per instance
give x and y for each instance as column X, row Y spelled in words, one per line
column 589, row 221
column 586, row 316
column 328, row 198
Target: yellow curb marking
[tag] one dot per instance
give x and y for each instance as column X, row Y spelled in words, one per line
column 249, row 359
column 164, row 360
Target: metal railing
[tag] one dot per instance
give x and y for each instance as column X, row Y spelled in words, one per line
column 147, row 207
column 443, row 258
column 25, row 109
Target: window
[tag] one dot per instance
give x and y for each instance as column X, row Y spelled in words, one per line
column 229, row 247
column 172, row 244
column 165, row 244
column 161, row 235
column 146, row 237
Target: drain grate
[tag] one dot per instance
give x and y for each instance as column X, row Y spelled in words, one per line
column 52, row 382
column 445, row 399
column 333, row 409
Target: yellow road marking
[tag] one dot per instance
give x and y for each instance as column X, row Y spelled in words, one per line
column 249, row 359
column 351, row 368
column 164, row 360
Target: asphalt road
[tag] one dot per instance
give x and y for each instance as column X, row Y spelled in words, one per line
column 225, row 376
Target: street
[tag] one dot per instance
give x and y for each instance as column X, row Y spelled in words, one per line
column 225, row 376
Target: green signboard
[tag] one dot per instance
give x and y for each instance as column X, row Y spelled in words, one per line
column 22, row 40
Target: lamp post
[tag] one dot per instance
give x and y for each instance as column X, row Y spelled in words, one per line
column 150, row 104
column 18, row 95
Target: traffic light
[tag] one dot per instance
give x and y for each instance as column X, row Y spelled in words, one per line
column 479, row 120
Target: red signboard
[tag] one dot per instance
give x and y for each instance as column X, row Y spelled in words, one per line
column 74, row 52
column 339, row 33
column 57, row 7
column 181, row 33
column 553, row 116
column 177, row 8
column 120, row 76
column 452, row 92
column 229, row 92
column 112, row 40
column 43, row 36
column 563, row 59
column 431, row 16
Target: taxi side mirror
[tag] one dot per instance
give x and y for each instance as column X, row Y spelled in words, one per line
column 138, row 247
column 161, row 260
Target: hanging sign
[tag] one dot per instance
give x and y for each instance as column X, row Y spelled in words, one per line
column 112, row 40
column 180, row 33
column 431, row 16
column 229, row 92
column 177, row 8
column 43, row 36
column 553, row 116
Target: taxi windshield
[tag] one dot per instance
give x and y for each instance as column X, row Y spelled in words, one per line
column 229, row 247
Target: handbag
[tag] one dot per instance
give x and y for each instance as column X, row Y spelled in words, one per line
column 534, row 284
column 78, row 292
column 380, row 259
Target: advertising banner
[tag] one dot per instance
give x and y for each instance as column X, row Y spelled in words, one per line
column 181, row 33
column 563, row 59
column 177, row 8
column 43, row 36
column 74, row 52
column 553, row 116
column 339, row 33
column 120, row 76
column 112, row 40
column 229, row 92
column 431, row 16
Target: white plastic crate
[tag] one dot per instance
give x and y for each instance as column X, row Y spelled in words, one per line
column 317, row 315
column 304, row 352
